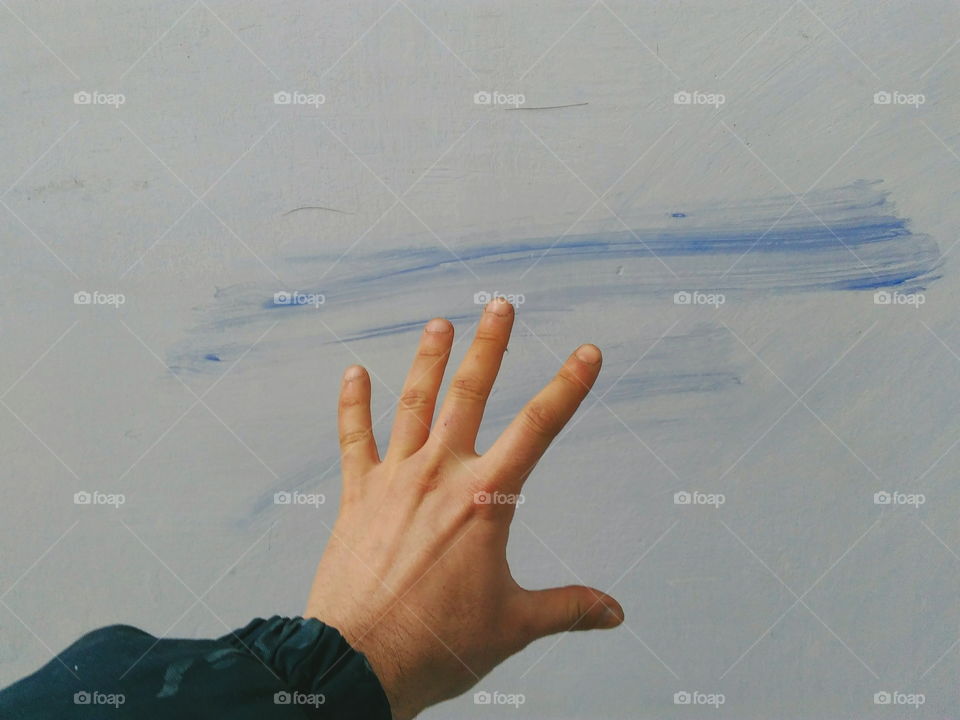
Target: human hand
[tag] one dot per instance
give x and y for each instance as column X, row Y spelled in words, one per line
column 415, row 574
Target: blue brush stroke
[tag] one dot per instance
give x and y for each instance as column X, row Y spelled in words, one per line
column 400, row 328
column 854, row 241
column 848, row 238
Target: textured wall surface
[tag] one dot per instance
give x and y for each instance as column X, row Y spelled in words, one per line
column 781, row 163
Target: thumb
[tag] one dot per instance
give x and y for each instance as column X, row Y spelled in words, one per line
column 574, row 607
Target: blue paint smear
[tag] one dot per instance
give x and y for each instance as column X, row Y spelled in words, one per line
column 401, row 328
column 848, row 238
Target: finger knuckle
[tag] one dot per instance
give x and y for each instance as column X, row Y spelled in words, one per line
column 541, row 418
column 467, row 387
column 429, row 352
column 414, row 399
column 568, row 378
column 576, row 607
column 352, row 437
column 351, row 401
column 488, row 337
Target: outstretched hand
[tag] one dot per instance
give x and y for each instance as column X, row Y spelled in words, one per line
column 415, row 574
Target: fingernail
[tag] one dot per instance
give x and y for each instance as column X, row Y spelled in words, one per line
column 589, row 354
column 437, row 325
column 498, row 306
column 610, row 616
column 353, row 372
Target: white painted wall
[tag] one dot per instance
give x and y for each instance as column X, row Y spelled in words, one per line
column 798, row 598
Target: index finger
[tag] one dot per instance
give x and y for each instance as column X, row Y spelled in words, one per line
column 530, row 433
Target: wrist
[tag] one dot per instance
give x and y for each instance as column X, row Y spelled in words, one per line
column 386, row 665
column 388, row 675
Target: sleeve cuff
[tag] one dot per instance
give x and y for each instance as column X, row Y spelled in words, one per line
column 315, row 660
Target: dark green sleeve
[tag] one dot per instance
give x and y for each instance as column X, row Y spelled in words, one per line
column 284, row 668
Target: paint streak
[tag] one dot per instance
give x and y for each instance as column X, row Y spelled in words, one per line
column 400, row 328
column 839, row 239
column 847, row 238
column 700, row 360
